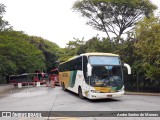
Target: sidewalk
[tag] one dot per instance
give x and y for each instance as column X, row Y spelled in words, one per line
column 142, row 93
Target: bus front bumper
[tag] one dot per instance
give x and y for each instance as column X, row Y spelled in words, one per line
column 105, row 95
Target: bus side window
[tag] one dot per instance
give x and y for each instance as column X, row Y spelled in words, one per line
column 85, row 62
column 78, row 63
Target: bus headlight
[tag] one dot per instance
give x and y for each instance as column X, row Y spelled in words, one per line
column 95, row 91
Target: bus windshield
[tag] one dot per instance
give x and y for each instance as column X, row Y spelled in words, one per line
column 104, row 60
column 104, row 76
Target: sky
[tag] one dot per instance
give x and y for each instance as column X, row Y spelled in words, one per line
column 53, row 20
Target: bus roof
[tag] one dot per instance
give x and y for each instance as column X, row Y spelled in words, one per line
column 99, row 54
column 91, row 54
column 26, row 74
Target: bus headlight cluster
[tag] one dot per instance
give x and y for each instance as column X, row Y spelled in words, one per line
column 95, row 91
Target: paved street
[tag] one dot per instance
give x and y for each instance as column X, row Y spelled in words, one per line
column 55, row 99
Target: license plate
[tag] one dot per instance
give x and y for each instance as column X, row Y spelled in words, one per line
column 109, row 95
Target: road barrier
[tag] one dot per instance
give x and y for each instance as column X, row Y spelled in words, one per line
column 38, row 84
column 19, row 85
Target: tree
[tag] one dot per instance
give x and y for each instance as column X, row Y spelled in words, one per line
column 114, row 16
column 3, row 23
column 73, row 48
column 147, row 48
column 95, row 44
column 77, row 47
column 50, row 50
column 17, row 55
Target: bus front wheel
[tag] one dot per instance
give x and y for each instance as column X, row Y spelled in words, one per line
column 80, row 93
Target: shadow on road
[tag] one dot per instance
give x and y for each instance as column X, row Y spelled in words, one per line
column 105, row 100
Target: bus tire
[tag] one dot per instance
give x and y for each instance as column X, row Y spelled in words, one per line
column 63, row 87
column 80, row 93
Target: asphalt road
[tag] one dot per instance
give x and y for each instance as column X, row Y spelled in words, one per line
column 55, row 99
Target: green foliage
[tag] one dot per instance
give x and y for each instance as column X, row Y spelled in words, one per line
column 114, row 16
column 17, row 55
column 148, row 47
column 50, row 50
column 94, row 44
column 20, row 53
column 73, row 48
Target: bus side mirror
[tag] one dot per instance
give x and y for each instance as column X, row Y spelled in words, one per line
column 128, row 68
column 89, row 70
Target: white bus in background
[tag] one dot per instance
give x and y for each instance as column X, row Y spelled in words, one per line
column 93, row 75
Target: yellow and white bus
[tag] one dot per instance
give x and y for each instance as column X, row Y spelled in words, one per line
column 93, row 75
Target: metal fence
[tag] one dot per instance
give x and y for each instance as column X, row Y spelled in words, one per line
column 139, row 83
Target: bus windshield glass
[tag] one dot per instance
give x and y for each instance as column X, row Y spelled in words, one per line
column 104, row 60
column 103, row 76
column 106, row 71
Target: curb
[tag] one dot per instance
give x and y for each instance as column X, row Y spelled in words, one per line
column 141, row 93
